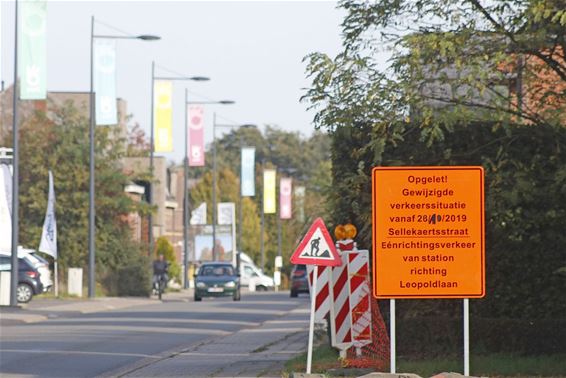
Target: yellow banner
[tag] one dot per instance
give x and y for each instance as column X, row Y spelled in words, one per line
column 163, row 116
column 269, row 205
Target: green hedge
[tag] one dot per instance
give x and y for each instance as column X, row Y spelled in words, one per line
column 440, row 336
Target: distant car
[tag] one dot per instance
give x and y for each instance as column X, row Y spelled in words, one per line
column 217, row 279
column 38, row 262
column 299, row 280
column 29, row 278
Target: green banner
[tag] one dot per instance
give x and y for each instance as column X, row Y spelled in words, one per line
column 33, row 58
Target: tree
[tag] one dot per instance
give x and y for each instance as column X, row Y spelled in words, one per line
column 60, row 143
column 471, row 83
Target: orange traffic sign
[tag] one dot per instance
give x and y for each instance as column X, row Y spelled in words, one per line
column 317, row 247
column 428, row 232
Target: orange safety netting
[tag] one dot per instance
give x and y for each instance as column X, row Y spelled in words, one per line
column 376, row 354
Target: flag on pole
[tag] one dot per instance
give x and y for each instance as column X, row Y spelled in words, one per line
column 247, row 173
column 285, row 198
column 48, row 242
column 33, row 61
column 269, row 206
column 198, row 215
column 196, row 136
column 105, row 82
column 163, row 116
column 5, row 210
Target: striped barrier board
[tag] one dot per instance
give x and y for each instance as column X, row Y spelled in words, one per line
column 360, row 294
column 340, row 314
column 322, row 304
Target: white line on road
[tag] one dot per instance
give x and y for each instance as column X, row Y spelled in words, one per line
column 39, row 351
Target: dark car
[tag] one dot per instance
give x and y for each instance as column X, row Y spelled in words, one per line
column 299, row 280
column 29, row 282
column 217, row 279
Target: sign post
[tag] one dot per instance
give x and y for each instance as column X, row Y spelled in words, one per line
column 316, row 248
column 428, row 236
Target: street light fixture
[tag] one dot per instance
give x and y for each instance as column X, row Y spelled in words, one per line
column 91, row 218
column 186, row 182
column 214, row 126
column 150, row 196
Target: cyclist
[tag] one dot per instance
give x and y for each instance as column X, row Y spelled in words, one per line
column 160, row 270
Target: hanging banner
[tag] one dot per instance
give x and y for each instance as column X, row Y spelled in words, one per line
column 105, row 82
column 247, row 174
column 269, row 177
column 163, row 116
column 48, row 242
column 226, row 211
column 33, row 51
column 285, row 198
column 198, row 215
column 196, row 135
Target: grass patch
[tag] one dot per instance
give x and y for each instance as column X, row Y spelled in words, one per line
column 324, row 358
column 496, row 365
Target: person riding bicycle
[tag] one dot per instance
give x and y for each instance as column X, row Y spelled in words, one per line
column 160, row 270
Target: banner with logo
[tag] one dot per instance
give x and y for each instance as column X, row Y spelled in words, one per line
column 48, row 242
column 163, row 116
column 247, row 174
column 226, row 212
column 33, row 50
column 106, row 111
column 196, row 135
column 285, row 198
column 269, row 177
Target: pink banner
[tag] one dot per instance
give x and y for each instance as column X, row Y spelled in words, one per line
column 285, row 198
column 196, row 136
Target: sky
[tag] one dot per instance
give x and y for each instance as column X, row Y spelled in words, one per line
column 252, row 51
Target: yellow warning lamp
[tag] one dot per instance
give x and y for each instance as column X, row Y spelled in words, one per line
column 350, row 231
column 340, row 232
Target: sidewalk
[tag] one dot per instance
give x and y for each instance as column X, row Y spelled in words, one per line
column 41, row 309
column 252, row 352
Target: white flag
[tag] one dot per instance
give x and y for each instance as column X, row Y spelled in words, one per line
column 5, row 212
column 49, row 235
column 198, row 215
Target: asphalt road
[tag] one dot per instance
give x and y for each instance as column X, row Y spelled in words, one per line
column 158, row 339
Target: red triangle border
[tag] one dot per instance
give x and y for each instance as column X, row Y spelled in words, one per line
column 297, row 259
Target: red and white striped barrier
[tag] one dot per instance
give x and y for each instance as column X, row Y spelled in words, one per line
column 322, row 304
column 358, row 268
column 340, row 314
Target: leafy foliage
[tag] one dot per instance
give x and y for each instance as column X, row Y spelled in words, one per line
column 60, row 143
column 469, row 83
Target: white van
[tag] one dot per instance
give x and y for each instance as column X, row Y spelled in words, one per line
column 248, row 270
column 37, row 262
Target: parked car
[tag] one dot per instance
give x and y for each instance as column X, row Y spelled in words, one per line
column 29, row 278
column 299, row 280
column 38, row 262
column 217, row 279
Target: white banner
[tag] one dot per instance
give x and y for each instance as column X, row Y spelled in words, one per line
column 226, row 211
column 5, row 214
column 198, row 215
column 48, row 242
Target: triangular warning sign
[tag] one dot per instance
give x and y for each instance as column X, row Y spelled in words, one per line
column 317, row 247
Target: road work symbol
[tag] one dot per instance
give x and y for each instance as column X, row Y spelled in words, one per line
column 317, row 247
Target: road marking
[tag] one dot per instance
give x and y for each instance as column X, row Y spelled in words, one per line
column 40, row 351
column 215, row 354
column 156, row 320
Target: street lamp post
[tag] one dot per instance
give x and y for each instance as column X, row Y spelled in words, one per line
column 214, row 126
column 91, row 218
column 150, row 196
column 186, row 182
